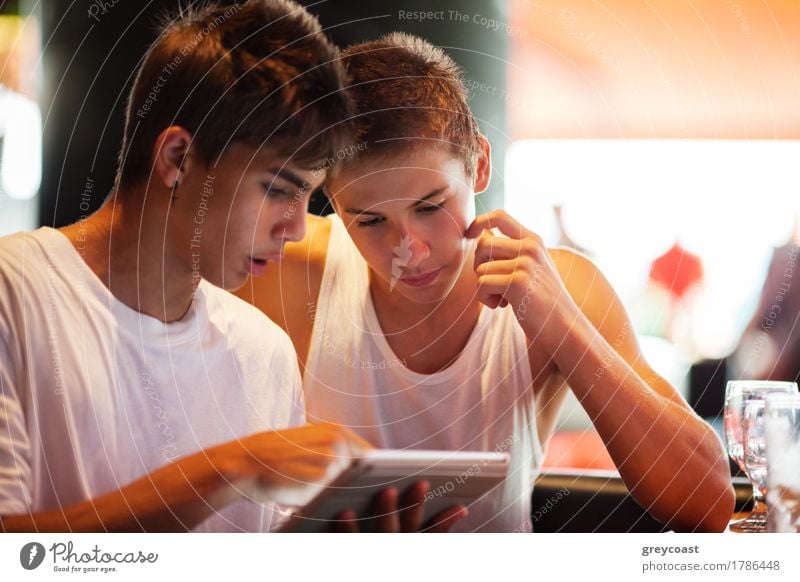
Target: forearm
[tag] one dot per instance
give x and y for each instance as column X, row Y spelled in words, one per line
column 275, row 465
column 671, row 461
column 176, row 497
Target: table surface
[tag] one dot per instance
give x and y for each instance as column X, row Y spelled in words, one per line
column 736, row 517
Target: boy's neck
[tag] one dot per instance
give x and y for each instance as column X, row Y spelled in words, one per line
column 428, row 337
column 126, row 245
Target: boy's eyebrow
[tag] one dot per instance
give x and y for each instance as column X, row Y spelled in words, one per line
column 290, row 177
column 413, row 204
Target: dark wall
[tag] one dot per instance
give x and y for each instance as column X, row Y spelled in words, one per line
column 89, row 62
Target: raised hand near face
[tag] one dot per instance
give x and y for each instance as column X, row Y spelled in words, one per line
column 516, row 270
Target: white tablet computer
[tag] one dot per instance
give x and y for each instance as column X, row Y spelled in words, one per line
column 455, row 477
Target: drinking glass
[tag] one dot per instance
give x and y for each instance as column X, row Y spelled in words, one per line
column 737, row 394
column 782, row 429
column 755, row 457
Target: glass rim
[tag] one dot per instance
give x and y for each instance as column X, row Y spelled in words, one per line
column 762, row 383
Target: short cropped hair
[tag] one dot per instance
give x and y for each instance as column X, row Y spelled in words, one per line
column 408, row 93
column 262, row 74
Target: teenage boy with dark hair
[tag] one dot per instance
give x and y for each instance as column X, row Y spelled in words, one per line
column 121, row 356
column 430, row 330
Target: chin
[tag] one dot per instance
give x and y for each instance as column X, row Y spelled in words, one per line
column 435, row 293
column 228, row 281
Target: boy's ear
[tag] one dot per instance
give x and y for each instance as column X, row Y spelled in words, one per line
column 483, row 169
column 170, row 155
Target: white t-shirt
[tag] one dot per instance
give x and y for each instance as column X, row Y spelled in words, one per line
column 484, row 401
column 94, row 395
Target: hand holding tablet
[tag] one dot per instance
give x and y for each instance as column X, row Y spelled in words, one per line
column 454, row 479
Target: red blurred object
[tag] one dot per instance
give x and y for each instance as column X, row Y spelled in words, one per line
column 677, row 270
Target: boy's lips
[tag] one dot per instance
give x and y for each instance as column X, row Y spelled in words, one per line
column 421, row 280
column 257, row 265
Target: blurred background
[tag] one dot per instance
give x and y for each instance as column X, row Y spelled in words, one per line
column 660, row 138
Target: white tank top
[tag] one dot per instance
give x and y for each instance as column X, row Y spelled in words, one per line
column 483, row 401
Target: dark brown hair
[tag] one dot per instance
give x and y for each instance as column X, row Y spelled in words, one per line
column 262, row 73
column 407, row 93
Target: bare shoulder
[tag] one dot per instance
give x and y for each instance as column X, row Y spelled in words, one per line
column 580, row 275
column 596, row 298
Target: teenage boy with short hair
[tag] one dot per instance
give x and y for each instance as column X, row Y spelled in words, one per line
column 121, row 356
column 420, row 327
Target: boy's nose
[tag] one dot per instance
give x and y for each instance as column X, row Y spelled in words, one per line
column 416, row 252
column 293, row 226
